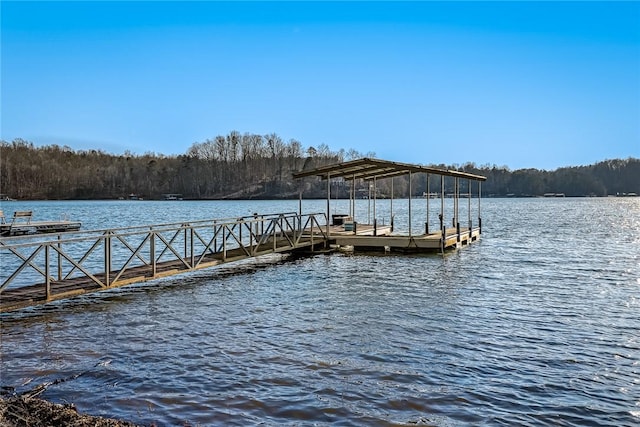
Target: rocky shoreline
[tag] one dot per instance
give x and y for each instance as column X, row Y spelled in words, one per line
column 21, row 411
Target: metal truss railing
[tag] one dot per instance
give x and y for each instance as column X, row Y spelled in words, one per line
column 107, row 257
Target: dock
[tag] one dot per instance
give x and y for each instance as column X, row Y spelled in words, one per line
column 434, row 237
column 41, row 268
column 432, row 242
column 22, row 223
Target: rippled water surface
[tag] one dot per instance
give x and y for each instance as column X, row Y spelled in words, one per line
column 536, row 324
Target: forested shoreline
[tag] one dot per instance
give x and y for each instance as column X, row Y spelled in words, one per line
column 245, row 166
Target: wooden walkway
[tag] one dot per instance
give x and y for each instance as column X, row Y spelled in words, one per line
column 26, row 296
column 36, row 271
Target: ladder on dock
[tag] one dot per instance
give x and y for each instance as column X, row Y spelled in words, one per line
column 39, row 269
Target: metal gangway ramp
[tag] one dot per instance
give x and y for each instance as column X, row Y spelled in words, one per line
column 37, row 269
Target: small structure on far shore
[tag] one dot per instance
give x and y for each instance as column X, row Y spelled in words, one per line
column 21, row 223
column 346, row 231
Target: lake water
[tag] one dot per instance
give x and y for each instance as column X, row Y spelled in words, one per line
column 538, row 323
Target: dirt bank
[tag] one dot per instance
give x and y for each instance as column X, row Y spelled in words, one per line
column 19, row 411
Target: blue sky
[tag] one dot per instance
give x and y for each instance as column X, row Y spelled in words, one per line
column 519, row 84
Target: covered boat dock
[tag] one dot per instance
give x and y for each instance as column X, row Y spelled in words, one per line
column 345, row 231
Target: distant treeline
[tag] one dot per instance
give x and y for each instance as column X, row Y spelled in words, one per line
column 245, row 166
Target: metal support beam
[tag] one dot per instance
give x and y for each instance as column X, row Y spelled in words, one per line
column 479, row 215
column 426, row 224
column 328, row 205
column 456, row 195
column 469, row 206
column 375, row 199
column 410, row 190
column 391, row 205
column 443, row 229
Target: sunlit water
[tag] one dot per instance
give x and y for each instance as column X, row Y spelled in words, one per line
column 536, row 324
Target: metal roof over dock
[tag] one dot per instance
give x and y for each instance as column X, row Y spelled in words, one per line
column 368, row 168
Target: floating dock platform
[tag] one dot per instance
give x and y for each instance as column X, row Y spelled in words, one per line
column 22, row 223
column 348, row 233
column 432, row 242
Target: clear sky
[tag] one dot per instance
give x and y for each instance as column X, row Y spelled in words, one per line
column 517, row 84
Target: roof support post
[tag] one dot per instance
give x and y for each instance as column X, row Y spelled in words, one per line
column 375, row 199
column 350, row 199
column 368, row 202
column 456, row 195
column 443, row 227
column 469, row 205
column 479, row 198
column 299, row 212
column 353, row 201
column 410, row 203
column 391, row 206
column 426, row 224
column 328, row 204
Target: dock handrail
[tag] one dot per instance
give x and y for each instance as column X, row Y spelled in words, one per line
column 143, row 227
